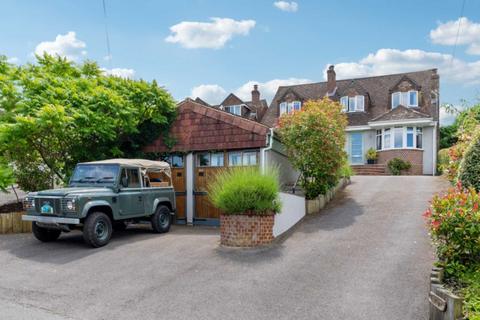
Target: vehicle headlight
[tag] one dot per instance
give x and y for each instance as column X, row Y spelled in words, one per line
column 28, row 203
column 70, row 204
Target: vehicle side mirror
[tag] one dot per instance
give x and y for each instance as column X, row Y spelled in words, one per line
column 124, row 182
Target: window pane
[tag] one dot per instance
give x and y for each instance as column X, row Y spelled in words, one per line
column 387, row 139
column 249, row 158
column 177, row 161
column 419, row 138
column 283, row 108
column 296, row 105
column 398, row 136
column 409, row 137
column 234, row 158
column 203, row 159
column 238, row 110
column 413, row 99
column 395, row 99
column 360, row 103
column 217, row 159
column 344, row 103
column 133, row 180
column 351, row 103
column 379, row 140
column 290, row 107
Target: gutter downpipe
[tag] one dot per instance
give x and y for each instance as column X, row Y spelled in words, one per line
column 263, row 150
column 434, row 156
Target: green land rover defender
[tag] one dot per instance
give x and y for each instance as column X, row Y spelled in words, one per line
column 103, row 196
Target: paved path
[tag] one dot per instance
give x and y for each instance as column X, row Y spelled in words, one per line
column 366, row 257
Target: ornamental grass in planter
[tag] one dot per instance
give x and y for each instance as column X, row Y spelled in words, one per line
column 248, row 199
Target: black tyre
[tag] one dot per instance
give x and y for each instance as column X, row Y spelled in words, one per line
column 161, row 220
column 97, row 229
column 119, row 226
column 45, row 234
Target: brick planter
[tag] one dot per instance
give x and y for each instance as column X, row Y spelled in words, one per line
column 242, row 230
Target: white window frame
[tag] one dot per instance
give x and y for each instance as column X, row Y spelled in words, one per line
column 244, row 158
column 210, row 164
column 404, row 138
column 234, row 109
column 404, row 98
column 289, row 107
column 352, row 104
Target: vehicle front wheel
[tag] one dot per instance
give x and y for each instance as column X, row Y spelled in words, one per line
column 161, row 220
column 45, row 234
column 97, row 229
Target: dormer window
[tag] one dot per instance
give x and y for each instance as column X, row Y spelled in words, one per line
column 353, row 104
column 289, row 107
column 407, row 99
column 235, row 109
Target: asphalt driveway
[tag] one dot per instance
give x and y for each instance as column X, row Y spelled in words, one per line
column 366, row 257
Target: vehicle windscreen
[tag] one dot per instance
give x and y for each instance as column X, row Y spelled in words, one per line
column 95, row 174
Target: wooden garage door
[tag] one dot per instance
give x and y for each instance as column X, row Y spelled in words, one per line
column 179, row 184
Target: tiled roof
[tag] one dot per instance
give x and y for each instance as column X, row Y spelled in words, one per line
column 377, row 87
column 401, row 113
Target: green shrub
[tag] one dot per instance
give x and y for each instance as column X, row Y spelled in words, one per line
column 443, row 160
column 346, row 170
column 397, row 165
column 371, row 154
column 471, row 292
column 314, row 138
column 245, row 190
column 454, row 222
column 469, row 171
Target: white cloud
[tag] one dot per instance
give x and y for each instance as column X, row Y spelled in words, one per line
column 211, row 93
column 214, row 94
column 388, row 61
column 291, row 6
column 213, row 35
column 267, row 89
column 14, row 60
column 66, row 45
column 446, row 34
column 119, row 72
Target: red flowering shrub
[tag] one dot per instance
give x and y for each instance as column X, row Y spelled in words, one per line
column 315, row 138
column 454, row 222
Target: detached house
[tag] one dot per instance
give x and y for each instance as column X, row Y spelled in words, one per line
column 395, row 114
column 398, row 115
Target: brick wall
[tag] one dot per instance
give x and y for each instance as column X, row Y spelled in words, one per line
column 246, row 230
column 415, row 157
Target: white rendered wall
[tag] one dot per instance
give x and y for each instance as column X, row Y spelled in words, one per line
column 293, row 210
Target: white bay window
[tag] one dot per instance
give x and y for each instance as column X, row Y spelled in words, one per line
column 399, row 138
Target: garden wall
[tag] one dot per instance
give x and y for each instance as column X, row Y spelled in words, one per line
column 12, row 223
column 293, row 210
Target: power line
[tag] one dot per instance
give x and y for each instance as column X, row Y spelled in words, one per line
column 458, row 30
column 107, row 38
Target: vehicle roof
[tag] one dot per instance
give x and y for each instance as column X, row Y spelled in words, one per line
column 149, row 165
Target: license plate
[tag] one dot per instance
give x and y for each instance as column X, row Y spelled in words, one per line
column 46, row 208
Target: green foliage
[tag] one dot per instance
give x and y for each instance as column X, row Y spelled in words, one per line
column 314, row 138
column 448, row 136
column 471, row 292
column 443, row 160
column 346, row 170
column 454, row 222
column 57, row 113
column 246, row 190
column 397, row 165
column 371, row 154
column 6, row 177
column 469, row 171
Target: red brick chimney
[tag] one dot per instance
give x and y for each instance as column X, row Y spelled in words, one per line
column 331, row 79
column 255, row 95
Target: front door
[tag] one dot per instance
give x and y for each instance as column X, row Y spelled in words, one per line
column 130, row 197
column 356, row 148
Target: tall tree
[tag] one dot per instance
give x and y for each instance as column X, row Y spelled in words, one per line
column 57, row 113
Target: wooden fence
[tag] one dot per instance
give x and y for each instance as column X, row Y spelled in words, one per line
column 12, row 223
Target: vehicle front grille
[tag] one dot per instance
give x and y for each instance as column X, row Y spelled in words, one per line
column 54, row 202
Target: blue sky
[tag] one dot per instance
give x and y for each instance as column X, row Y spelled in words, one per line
column 208, row 48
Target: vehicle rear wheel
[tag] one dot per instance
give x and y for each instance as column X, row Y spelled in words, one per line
column 119, row 226
column 97, row 229
column 45, row 234
column 161, row 220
